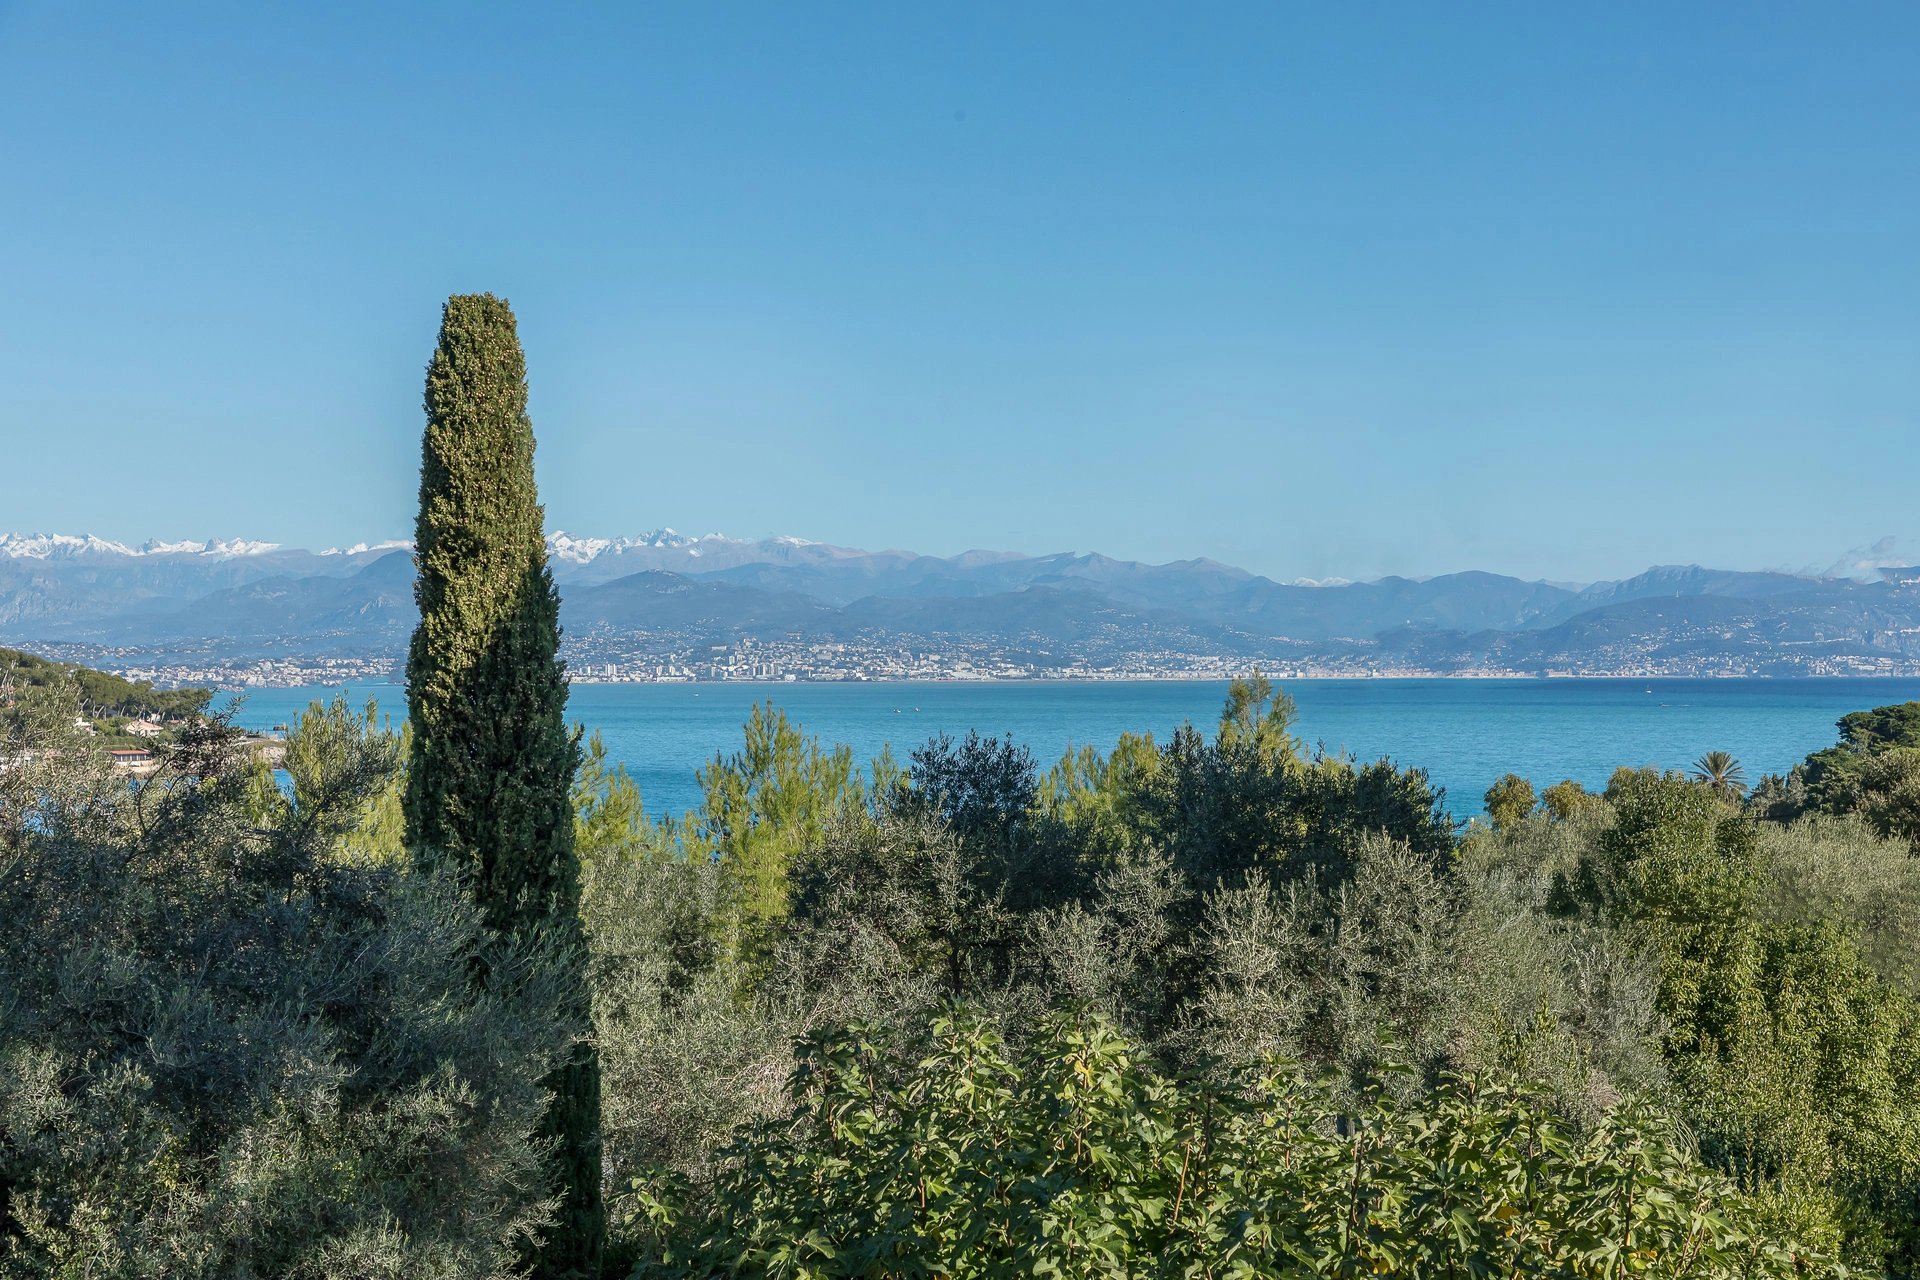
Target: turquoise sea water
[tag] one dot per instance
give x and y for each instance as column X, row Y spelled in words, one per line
column 1465, row 733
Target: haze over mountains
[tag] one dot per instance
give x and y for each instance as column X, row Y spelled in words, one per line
column 669, row 592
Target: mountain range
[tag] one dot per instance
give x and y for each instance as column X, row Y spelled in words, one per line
column 668, row 593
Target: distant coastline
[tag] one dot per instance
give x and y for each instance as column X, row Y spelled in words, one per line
column 229, row 680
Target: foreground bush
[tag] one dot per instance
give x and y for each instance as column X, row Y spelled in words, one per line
column 1068, row 1157
column 232, row 1044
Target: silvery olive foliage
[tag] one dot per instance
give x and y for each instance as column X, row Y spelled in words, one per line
column 231, row 1045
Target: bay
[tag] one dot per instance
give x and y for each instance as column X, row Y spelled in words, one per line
column 1465, row 733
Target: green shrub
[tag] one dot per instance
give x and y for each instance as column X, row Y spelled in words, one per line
column 1791, row 1055
column 1839, row 869
column 229, row 1049
column 1509, row 800
column 1070, row 1157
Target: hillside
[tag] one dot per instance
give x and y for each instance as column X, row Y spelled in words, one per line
column 101, row 693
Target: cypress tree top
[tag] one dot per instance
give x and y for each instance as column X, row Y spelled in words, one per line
column 492, row 760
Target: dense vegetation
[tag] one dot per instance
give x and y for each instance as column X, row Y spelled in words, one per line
column 1212, row 1006
column 227, row 1044
column 1660, row 956
column 1070, row 1157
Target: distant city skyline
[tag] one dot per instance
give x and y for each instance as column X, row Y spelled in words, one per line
column 1315, row 292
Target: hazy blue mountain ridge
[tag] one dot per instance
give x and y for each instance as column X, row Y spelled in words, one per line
column 244, row 598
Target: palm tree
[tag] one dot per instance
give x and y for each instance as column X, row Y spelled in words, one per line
column 1719, row 770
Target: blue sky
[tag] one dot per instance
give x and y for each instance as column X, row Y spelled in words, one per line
column 1321, row 290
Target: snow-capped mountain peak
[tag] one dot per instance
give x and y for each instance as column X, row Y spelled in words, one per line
column 565, row 546
column 47, row 546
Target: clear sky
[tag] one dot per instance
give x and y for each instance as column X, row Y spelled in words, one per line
column 1556, row 290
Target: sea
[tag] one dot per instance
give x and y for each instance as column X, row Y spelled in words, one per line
column 1464, row 732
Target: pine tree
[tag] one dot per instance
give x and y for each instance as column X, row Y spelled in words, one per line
column 492, row 760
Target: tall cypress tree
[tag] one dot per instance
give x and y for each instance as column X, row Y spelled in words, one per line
column 492, row 764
